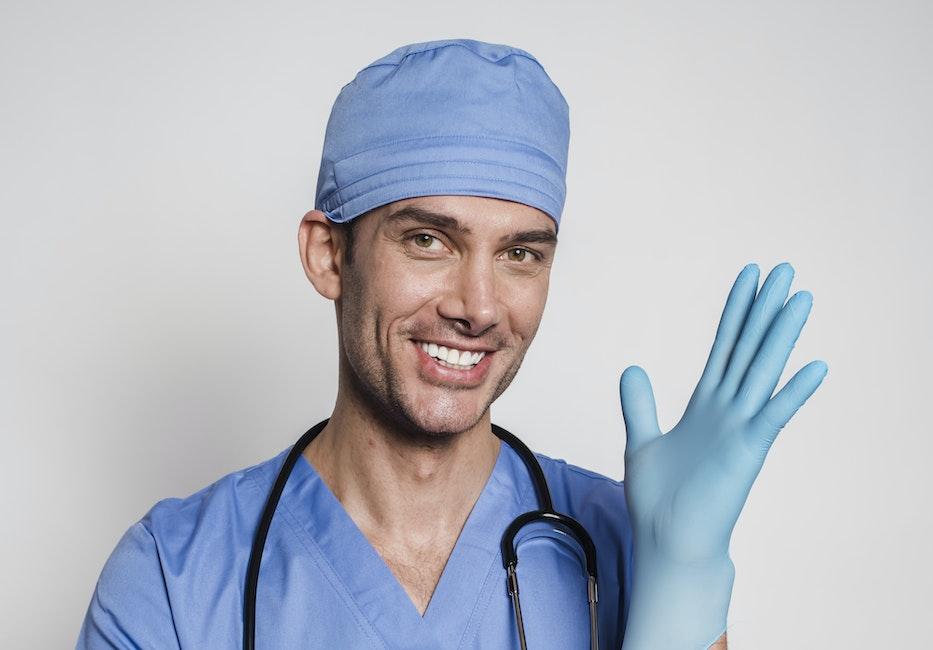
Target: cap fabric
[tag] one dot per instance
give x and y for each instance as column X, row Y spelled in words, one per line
column 446, row 117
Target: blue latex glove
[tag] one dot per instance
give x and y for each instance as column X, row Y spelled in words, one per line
column 685, row 489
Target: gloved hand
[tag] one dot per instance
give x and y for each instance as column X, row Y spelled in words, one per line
column 685, row 489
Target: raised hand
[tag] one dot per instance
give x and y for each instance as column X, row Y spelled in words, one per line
column 686, row 488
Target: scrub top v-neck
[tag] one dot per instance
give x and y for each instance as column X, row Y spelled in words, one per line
column 176, row 577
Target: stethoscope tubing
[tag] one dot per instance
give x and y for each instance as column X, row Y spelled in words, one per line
column 262, row 531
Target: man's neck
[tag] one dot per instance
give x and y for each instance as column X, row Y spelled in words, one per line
column 410, row 499
column 400, row 489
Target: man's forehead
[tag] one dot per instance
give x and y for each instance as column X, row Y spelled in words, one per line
column 471, row 216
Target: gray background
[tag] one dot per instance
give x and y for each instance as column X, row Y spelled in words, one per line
column 158, row 331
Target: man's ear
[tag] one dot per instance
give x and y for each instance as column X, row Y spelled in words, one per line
column 321, row 248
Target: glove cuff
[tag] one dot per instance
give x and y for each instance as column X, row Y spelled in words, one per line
column 677, row 606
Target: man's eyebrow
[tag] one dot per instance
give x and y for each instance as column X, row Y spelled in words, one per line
column 446, row 222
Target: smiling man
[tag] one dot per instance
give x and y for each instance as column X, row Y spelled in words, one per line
column 435, row 312
column 439, row 199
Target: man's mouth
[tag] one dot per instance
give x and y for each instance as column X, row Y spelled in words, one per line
column 464, row 368
column 451, row 357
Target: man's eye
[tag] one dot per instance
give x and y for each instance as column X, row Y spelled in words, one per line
column 528, row 254
column 423, row 240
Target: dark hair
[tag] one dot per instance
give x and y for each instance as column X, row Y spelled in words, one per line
column 348, row 228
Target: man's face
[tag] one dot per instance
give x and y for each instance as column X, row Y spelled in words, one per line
column 469, row 272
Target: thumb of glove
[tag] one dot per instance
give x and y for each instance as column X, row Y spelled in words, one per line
column 638, row 409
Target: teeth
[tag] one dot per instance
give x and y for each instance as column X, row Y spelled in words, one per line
column 453, row 357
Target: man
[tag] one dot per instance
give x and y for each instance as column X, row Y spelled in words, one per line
column 438, row 204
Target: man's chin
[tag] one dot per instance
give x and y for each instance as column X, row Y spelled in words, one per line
column 444, row 425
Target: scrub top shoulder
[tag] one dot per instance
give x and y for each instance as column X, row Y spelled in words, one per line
column 176, row 577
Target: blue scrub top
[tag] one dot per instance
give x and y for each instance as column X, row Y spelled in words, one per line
column 176, row 578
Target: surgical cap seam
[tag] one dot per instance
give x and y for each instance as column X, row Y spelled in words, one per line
column 557, row 188
column 451, row 137
column 436, row 177
column 446, row 191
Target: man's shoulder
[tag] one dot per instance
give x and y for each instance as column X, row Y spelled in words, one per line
column 146, row 590
column 218, row 509
column 576, row 477
column 581, row 474
column 583, row 493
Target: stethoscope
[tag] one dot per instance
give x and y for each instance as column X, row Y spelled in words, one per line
column 545, row 514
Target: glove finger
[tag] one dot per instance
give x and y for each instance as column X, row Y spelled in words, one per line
column 766, row 425
column 769, row 302
column 769, row 363
column 638, row 409
column 730, row 325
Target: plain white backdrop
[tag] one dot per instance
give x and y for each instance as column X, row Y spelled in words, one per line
column 158, row 331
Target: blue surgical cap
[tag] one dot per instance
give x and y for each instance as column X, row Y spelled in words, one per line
column 446, row 117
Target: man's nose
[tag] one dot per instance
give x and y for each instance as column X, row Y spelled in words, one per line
column 472, row 295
